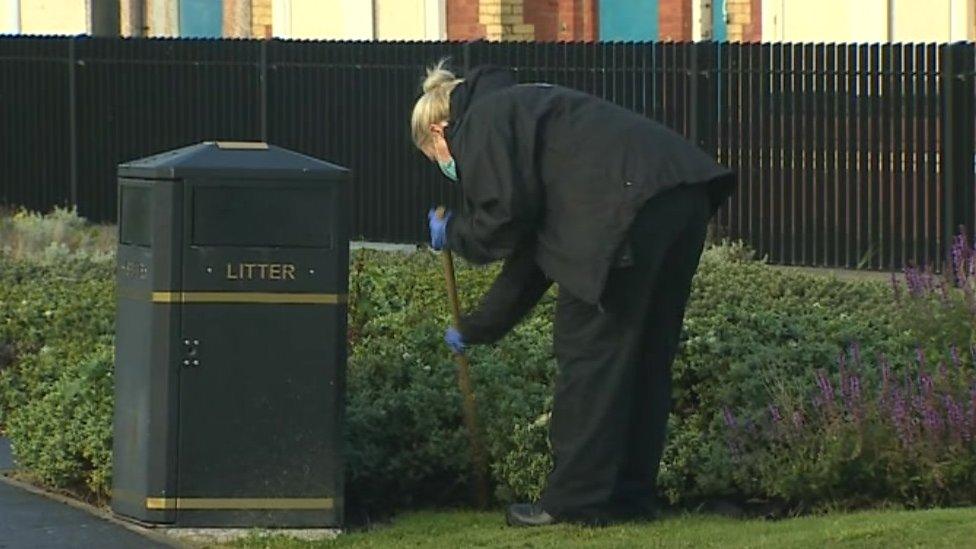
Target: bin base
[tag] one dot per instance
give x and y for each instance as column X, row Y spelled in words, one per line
column 208, row 536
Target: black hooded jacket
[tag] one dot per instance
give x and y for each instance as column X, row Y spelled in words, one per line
column 552, row 178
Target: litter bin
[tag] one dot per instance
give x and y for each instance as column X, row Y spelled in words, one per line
column 231, row 338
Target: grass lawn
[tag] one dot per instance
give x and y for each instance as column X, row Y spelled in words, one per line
column 954, row 528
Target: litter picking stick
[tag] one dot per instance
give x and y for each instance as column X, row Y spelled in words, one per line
column 469, row 410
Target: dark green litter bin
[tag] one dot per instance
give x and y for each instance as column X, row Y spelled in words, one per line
column 231, row 338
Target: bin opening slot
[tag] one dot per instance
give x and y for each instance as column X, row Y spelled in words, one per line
column 260, row 217
column 135, row 219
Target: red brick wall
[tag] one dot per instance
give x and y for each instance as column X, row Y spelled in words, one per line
column 545, row 15
column 591, row 20
column 753, row 31
column 674, row 20
column 562, row 20
column 566, row 20
column 462, row 20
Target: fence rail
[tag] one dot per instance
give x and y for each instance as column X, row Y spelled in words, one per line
column 848, row 155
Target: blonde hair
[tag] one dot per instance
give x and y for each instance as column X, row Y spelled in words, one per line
column 434, row 106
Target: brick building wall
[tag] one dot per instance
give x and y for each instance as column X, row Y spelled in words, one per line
column 261, row 18
column 462, row 20
column 562, row 20
column 495, row 20
column 744, row 20
column 504, row 20
column 545, row 16
column 674, row 20
column 578, row 20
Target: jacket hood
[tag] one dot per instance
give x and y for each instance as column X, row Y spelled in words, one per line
column 478, row 83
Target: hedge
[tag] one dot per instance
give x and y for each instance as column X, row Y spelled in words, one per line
column 747, row 326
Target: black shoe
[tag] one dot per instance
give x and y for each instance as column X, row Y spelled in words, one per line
column 528, row 514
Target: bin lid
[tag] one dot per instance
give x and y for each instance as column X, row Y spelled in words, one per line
column 237, row 159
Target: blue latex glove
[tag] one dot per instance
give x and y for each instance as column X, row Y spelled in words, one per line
column 438, row 229
column 454, row 340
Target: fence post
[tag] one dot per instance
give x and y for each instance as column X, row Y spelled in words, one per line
column 956, row 168
column 701, row 107
column 73, row 119
column 263, row 83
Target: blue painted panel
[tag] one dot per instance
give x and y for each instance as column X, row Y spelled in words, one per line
column 628, row 20
column 201, row 18
column 720, row 31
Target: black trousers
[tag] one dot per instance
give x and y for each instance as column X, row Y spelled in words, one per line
column 613, row 388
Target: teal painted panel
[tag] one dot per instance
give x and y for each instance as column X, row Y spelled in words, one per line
column 720, row 32
column 628, row 20
column 201, row 18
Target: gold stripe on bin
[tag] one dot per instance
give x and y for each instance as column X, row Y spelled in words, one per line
column 245, row 145
column 312, row 504
column 248, row 297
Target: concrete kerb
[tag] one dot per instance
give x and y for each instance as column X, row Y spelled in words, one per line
column 385, row 247
column 208, row 536
column 174, row 536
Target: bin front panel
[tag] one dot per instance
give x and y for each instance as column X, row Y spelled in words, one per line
column 263, row 342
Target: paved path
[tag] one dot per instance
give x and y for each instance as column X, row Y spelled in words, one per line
column 31, row 521
column 6, row 458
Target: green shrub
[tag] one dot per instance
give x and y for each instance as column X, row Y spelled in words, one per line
column 63, row 309
column 746, row 324
column 868, row 429
column 743, row 317
column 940, row 310
column 63, row 435
column 873, row 432
column 54, row 237
column 56, row 327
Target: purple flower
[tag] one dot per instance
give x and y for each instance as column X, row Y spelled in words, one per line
column 957, row 420
column 885, row 379
column 912, row 281
column 730, row 421
column 943, row 373
column 895, row 287
column 774, row 412
column 842, row 370
column 972, row 408
column 855, row 387
column 958, row 247
column 918, row 405
column 826, row 389
column 972, row 261
column 856, row 352
column 932, row 420
column 954, row 353
column 852, row 399
column 925, row 383
column 899, row 418
column 920, row 356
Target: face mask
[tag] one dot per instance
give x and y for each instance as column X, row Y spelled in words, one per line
column 449, row 169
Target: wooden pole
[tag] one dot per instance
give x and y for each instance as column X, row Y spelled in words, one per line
column 469, row 409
